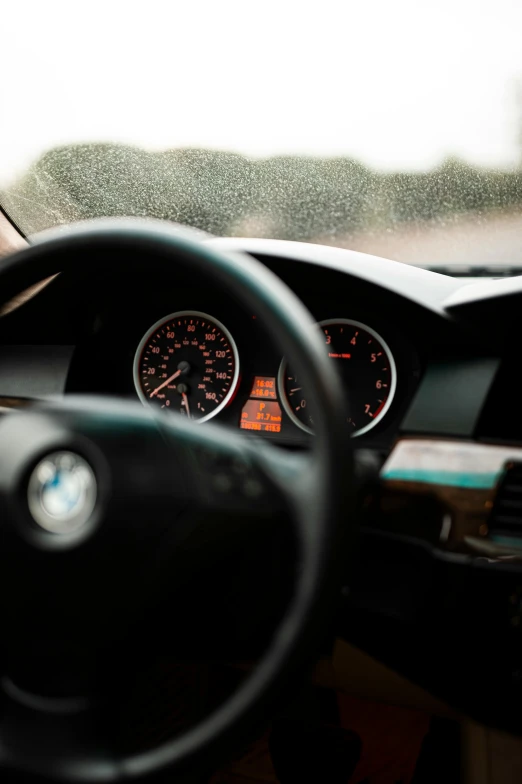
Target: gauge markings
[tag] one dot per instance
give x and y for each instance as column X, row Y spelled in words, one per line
column 366, row 367
column 180, row 369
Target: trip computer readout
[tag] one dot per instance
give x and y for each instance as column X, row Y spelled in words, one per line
column 262, row 412
column 264, row 387
column 261, row 415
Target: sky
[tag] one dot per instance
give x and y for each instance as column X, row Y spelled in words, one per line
column 399, row 84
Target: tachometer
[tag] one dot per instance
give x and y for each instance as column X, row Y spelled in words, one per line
column 367, row 369
column 187, row 362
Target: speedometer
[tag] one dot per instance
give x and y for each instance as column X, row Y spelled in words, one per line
column 367, row 369
column 187, row 362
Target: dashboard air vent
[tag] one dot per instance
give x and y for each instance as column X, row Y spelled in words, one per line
column 505, row 522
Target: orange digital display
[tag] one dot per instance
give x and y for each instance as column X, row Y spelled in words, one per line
column 265, row 387
column 261, row 415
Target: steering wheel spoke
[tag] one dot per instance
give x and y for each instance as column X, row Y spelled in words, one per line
column 230, row 473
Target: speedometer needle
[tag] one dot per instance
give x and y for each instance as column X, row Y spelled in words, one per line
column 186, row 404
column 168, row 381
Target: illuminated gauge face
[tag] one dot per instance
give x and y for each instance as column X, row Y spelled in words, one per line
column 367, row 370
column 187, row 362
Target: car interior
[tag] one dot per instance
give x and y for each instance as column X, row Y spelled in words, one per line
column 334, row 591
column 260, row 447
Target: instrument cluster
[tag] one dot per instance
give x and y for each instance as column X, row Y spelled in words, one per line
column 188, row 361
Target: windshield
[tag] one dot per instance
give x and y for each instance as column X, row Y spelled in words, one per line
column 389, row 127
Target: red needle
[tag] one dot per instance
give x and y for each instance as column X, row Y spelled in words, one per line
column 186, row 404
column 173, row 376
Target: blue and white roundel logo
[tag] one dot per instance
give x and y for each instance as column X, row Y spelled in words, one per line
column 62, row 492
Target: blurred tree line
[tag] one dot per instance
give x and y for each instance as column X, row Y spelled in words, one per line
column 287, row 197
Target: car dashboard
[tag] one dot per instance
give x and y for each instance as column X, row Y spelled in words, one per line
column 126, row 336
column 236, row 375
column 428, row 364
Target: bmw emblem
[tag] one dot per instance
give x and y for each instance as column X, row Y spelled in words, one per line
column 62, row 492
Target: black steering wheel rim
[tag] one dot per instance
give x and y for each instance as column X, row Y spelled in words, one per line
column 292, row 327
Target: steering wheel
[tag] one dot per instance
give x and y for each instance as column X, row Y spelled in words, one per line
column 69, row 592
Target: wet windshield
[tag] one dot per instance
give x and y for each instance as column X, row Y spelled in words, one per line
column 392, row 128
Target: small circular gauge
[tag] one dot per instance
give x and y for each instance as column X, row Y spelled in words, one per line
column 187, row 362
column 367, row 369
